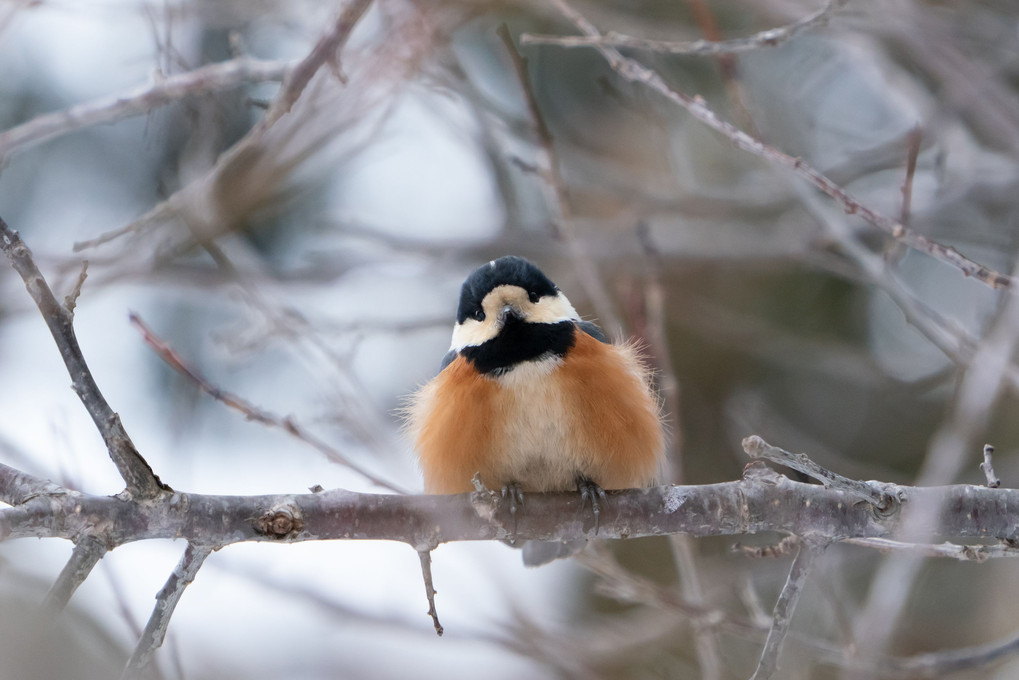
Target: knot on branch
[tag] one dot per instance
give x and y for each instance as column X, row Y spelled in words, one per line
column 282, row 521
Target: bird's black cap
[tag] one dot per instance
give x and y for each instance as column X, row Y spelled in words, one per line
column 510, row 270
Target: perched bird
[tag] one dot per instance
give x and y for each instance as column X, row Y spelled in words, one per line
column 533, row 399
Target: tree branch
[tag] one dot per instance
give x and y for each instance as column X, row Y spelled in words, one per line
column 988, row 467
column 155, row 631
column 85, row 556
column 768, row 38
column 326, row 51
column 210, row 78
column 556, row 196
column 784, row 608
column 758, row 503
column 17, row 487
column 426, row 574
column 633, row 71
column 287, row 424
column 141, row 480
column 874, row 493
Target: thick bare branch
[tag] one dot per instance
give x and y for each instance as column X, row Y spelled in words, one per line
column 17, row 487
column 761, row 502
column 155, row 631
column 140, row 479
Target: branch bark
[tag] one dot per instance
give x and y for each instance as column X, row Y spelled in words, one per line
column 758, row 503
column 141, row 480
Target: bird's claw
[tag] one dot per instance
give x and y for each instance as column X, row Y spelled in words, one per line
column 591, row 493
column 515, row 495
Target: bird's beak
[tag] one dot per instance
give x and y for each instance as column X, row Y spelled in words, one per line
column 509, row 314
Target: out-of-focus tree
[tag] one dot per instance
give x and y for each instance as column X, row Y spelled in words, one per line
column 806, row 211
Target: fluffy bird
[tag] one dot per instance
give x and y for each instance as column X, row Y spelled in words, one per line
column 534, row 399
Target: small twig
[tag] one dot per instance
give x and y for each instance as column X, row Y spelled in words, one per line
column 915, row 137
column 155, row 631
column 426, row 573
column 86, row 554
column 988, row 467
column 251, row 412
column 71, row 299
column 768, row 38
column 326, row 51
column 964, row 553
column 139, row 477
column 728, row 65
column 950, row 662
column 210, row 78
column 556, row 196
column 784, row 608
column 756, row 447
column 633, row 71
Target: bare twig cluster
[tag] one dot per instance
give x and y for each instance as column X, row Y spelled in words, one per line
column 803, row 523
column 839, row 509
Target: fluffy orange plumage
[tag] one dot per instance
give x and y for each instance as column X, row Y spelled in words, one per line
column 543, row 424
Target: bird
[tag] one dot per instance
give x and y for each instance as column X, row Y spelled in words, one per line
column 530, row 398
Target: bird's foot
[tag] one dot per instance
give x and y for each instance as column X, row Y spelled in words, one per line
column 591, row 493
column 515, row 496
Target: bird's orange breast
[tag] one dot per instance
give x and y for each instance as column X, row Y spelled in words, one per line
column 542, row 424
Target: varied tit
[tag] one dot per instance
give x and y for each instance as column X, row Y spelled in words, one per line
column 533, row 399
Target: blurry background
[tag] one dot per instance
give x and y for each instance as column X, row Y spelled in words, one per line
column 314, row 270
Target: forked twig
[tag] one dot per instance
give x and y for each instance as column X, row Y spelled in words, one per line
column 141, row 480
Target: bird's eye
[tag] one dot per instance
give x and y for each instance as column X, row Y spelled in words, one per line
column 533, row 297
column 479, row 314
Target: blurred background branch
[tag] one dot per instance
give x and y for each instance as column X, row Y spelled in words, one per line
column 298, row 239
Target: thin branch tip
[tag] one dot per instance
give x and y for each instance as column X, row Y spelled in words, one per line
column 425, row 557
column 993, row 482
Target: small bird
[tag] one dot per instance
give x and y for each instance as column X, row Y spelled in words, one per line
column 533, row 399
